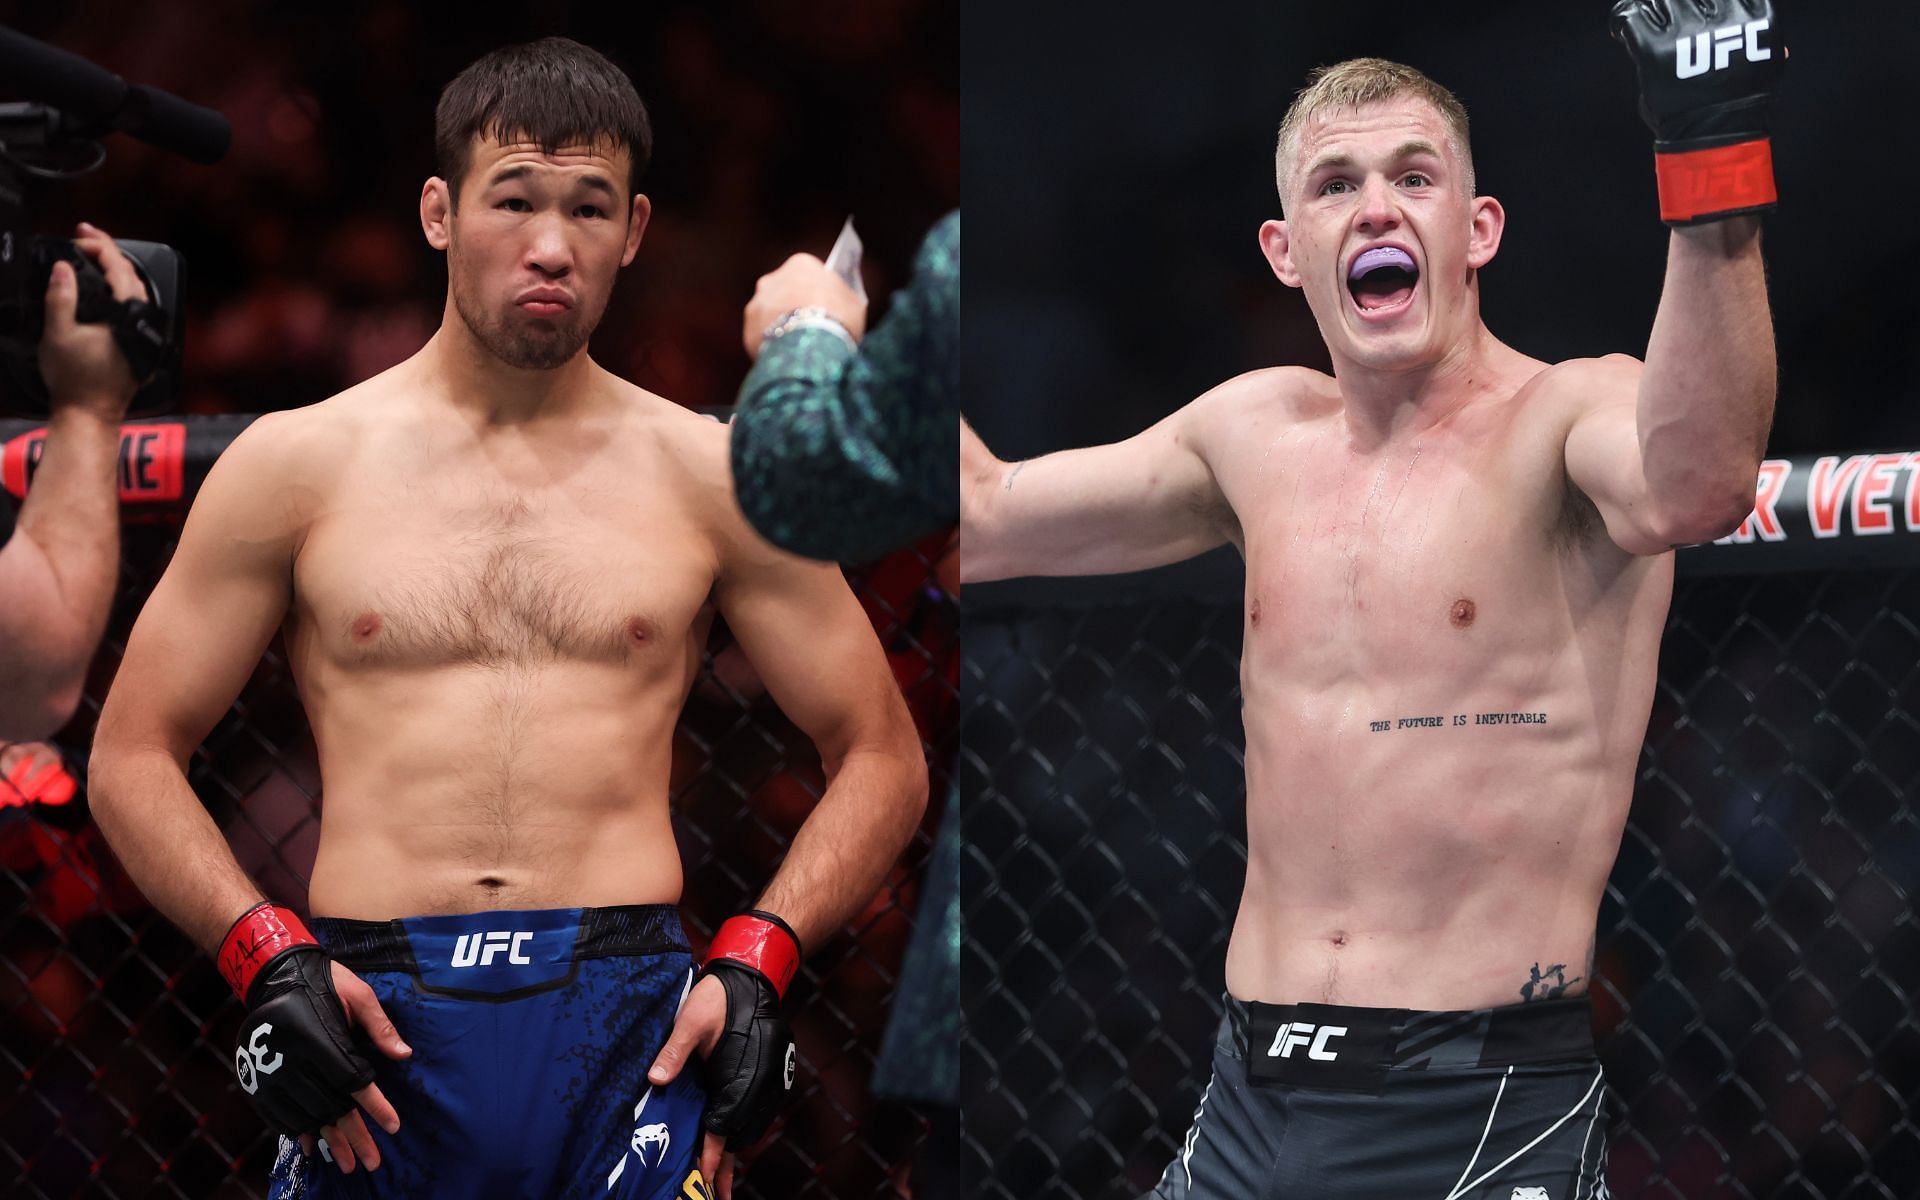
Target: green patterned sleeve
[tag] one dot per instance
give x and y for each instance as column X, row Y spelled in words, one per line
column 846, row 455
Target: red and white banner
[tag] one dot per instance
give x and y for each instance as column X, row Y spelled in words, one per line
column 1822, row 511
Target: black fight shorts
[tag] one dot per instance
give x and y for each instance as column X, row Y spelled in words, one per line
column 1325, row 1102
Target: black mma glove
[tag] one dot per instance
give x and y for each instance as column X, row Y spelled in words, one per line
column 750, row 1071
column 296, row 1059
column 1707, row 70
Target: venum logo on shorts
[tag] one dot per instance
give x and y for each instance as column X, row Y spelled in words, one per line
column 250, row 1060
column 1290, row 1036
column 1527, row 1193
column 1691, row 54
column 474, row 947
column 652, row 1137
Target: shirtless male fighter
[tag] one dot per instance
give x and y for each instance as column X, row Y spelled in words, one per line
column 1457, row 571
column 495, row 566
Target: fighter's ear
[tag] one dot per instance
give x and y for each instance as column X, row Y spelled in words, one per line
column 1277, row 246
column 1483, row 235
column 637, row 215
column 436, row 212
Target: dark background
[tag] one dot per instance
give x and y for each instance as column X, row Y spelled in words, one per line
column 308, row 268
column 1757, row 946
column 1117, row 171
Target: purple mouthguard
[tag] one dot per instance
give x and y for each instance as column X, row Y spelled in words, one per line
column 1380, row 256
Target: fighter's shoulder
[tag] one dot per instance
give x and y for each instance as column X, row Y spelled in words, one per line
column 694, row 441
column 698, row 449
column 1285, row 387
column 284, row 462
column 685, row 454
column 1221, row 415
column 288, row 447
column 1574, row 387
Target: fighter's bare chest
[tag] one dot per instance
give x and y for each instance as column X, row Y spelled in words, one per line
column 1408, row 553
column 491, row 576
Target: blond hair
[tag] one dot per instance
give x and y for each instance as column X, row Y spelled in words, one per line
column 1354, row 84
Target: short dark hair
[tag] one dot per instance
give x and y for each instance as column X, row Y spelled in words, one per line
column 554, row 92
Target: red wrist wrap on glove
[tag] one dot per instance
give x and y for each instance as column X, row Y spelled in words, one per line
column 262, row 932
column 1702, row 184
column 761, row 941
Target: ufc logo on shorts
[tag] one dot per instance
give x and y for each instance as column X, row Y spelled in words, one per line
column 474, row 946
column 1299, row 1033
column 1691, row 53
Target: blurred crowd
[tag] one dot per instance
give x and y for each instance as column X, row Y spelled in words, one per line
column 307, row 268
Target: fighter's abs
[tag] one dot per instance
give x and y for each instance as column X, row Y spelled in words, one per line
column 1443, row 699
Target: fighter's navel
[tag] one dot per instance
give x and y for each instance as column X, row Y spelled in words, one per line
column 1337, row 938
column 1462, row 613
column 1253, row 612
column 365, row 626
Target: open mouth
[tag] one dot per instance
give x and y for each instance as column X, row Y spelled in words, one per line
column 1381, row 280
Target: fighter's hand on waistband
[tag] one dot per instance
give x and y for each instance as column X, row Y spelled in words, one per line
column 738, row 1027
column 297, row 1059
column 1707, row 71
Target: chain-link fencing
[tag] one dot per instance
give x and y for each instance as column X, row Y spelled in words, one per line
column 116, row 1034
column 1758, row 956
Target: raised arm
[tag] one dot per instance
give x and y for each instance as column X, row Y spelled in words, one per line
column 1103, row 510
column 198, row 638
column 1678, row 463
column 1669, row 452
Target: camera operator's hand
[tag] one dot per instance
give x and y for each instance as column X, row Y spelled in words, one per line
column 83, row 367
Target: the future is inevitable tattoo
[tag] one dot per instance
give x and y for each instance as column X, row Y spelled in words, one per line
column 1457, row 721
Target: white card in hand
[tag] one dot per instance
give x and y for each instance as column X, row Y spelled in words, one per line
column 844, row 259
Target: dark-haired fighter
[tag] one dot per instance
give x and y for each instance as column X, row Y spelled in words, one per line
column 495, row 566
column 1457, row 572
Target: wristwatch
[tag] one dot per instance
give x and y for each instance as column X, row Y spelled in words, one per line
column 810, row 317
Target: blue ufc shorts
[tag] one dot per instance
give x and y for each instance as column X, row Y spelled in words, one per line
column 532, row 1033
